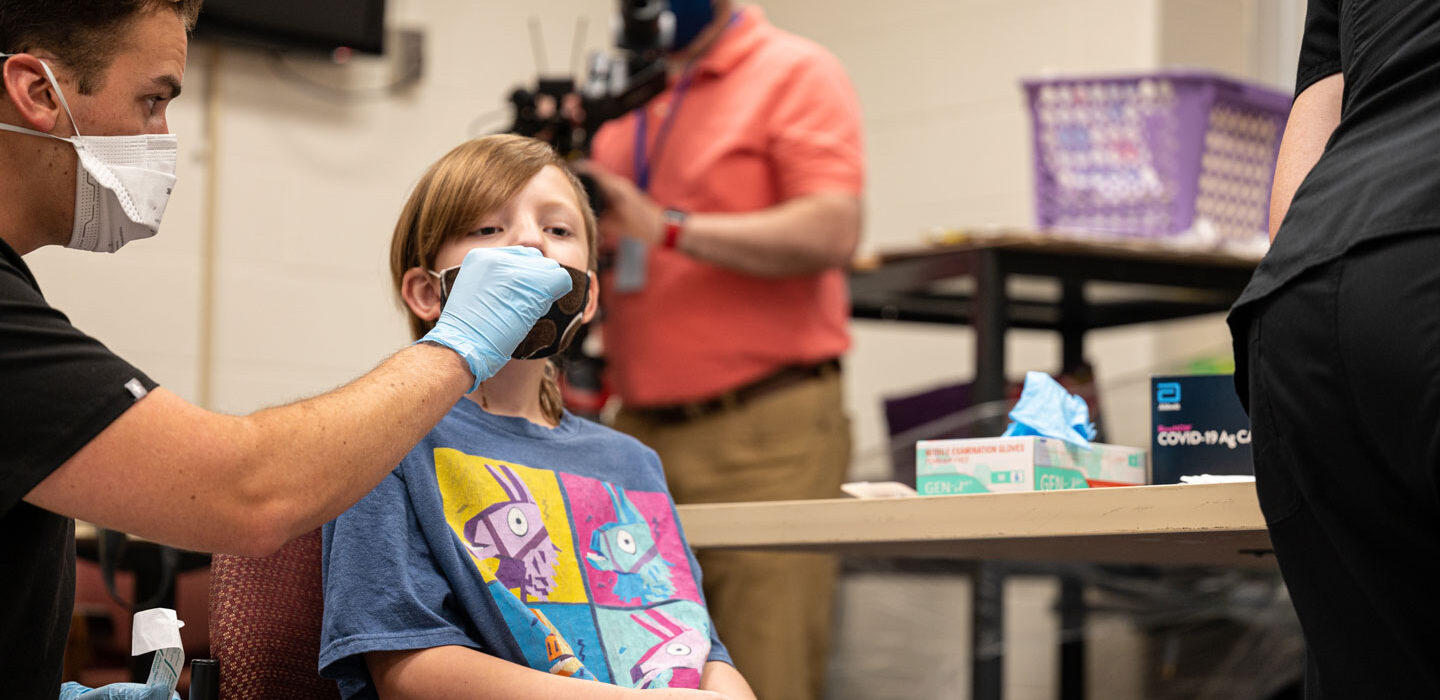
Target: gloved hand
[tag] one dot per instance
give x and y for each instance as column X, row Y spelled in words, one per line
column 115, row 691
column 499, row 294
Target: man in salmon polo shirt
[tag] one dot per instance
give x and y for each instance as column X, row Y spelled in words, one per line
column 734, row 207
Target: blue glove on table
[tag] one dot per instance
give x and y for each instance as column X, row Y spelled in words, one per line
column 499, row 294
column 115, row 691
column 1046, row 408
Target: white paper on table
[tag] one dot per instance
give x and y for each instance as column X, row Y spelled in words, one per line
column 1216, row 478
column 158, row 630
column 878, row 489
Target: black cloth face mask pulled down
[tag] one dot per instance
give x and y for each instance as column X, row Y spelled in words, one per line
column 554, row 331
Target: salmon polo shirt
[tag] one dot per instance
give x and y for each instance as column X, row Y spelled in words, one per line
column 767, row 117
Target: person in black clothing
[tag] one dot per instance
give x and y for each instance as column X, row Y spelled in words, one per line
column 87, row 163
column 1337, row 348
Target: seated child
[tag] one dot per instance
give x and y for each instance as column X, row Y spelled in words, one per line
column 517, row 551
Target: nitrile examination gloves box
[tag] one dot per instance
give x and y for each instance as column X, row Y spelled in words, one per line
column 1028, row 463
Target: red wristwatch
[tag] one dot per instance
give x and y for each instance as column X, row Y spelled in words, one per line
column 674, row 226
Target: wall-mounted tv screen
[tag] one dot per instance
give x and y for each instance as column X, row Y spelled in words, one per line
column 311, row 25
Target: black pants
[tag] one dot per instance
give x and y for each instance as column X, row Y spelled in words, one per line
column 1344, row 389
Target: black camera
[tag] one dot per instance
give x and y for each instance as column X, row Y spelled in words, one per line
column 566, row 113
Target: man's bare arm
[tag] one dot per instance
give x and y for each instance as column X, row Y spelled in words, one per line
column 800, row 236
column 1313, row 118
column 175, row 473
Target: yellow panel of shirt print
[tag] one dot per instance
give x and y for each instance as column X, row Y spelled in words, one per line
column 513, row 520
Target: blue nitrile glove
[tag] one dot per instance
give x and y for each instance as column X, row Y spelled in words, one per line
column 116, row 691
column 1046, row 408
column 499, row 294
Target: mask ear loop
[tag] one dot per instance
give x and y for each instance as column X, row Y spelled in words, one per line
column 440, row 281
column 58, row 93
column 441, row 276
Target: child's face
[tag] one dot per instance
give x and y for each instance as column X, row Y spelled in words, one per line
column 544, row 215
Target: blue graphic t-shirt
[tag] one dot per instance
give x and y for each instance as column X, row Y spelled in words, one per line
column 557, row 549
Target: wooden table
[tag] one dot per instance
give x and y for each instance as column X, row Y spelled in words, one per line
column 1172, row 525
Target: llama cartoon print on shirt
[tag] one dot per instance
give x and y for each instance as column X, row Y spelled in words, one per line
column 648, row 641
column 627, row 547
column 591, row 579
column 601, row 512
column 512, row 521
column 679, row 648
column 663, row 646
column 513, row 532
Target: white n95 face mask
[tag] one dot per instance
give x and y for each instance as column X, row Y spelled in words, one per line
column 122, row 183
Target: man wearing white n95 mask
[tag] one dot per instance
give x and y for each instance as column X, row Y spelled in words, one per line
column 123, row 182
column 87, row 162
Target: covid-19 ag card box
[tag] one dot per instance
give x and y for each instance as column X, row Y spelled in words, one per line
column 1199, row 427
column 1029, row 463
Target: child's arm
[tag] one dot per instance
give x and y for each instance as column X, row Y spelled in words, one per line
column 445, row 672
column 723, row 678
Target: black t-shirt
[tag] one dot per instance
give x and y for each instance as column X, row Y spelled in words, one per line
column 1380, row 173
column 58, row 389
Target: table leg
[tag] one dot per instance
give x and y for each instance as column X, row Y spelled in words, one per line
column 1073, row 323
column 990, row 325
column 987, row 633
column 1072, row 638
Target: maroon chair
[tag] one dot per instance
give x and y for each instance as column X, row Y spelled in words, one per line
column 265, row 623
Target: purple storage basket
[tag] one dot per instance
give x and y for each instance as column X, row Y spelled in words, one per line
column 1157, row 154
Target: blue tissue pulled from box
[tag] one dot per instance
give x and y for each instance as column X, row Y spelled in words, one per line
column 1045, row 408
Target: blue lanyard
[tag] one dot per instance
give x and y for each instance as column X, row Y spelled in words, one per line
column 645, row 164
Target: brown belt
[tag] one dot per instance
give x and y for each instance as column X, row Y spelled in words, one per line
column 780, row 379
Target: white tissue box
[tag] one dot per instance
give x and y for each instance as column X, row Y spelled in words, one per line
column 1029, row 463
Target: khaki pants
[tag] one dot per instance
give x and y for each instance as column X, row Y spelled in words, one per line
column 772, row 611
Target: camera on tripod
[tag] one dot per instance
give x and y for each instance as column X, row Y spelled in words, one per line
column 567, row 113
